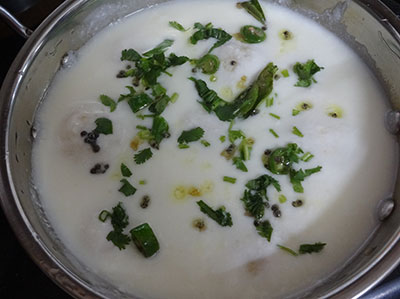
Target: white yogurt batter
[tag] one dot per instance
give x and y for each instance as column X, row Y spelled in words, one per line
column 355, row 151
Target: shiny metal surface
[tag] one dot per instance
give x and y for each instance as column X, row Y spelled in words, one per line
column 14, row 23
column 369, row 27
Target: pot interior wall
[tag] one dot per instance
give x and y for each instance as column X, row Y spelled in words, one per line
column 70, row 27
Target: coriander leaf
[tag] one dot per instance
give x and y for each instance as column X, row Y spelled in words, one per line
column 130, row 55
column 119, row 239
column 191, row 135
column 123, row 97
column 222, row 217
column 297, row 176
column 174, row 60
column 139, row 101
column 261, row 184
column 288, row 250
column 311, row 248
column 206, row 32
column 305, row 72
column 253, row 204
column 253, row 7
column 265, row 229
column 297, row 132
column 160, row 48
column 109, row 102
column 238, row 162
column 143, row 156
column 103, row 126
column 159, row 131
column 233, row 135
column 127, row 189
column 205, row 143
column 119, row 221
column 177, row 26
column 183, row 145
column 125, row 171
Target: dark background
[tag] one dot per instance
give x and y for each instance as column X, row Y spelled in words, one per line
column 19, row 276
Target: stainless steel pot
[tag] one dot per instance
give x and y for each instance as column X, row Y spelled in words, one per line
column 369, row 27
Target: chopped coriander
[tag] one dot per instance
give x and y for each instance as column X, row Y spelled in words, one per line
column 229, row 179
column 297, row 132
column 103, row 126
column 109, row 102
column 145, row 240
column 130, row 55
column 252, row 34
column 273, row 133
column 288, row 250
column 264, row 229
column 205, row 143
column 207, row 31
column 282, row 198
column 253, row 7
column 245, row 148
column 119, row 221
column 125, row 170
column 177, row 26
column 307, row 157
column 311, row 248
column 174, row 97
column 191, row 135
column 142, row 182
column 260, row 185
column 297, row 176
column 233, row 135
column 160, row 48
column 183, row 145
column 139, row 101
column 275, row 116
column 305, row 72
column 222, row 138
column 285, row 73
column 238, row 162
column 254, row 204
column 270, row 101
column 295, row 112
column 127, row 189
column 280, row 160
column 143, row 156
column 131, row 93
column 222, row 217
column 159, row 131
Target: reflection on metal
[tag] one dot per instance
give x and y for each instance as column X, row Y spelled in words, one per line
column 392, row 47
column 25, row 32
column 385, row 208
column 392, row 121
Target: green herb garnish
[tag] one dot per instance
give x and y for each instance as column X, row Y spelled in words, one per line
column 109, row 102
column 145, row 240
column 222, row 138
column 103, row 126
column 311, row 248
column 246, row 102
column 143, row 156
column 273, row 133
column 159, row 131
column 229, row 179
column 208, row 31
column 285, row 73
column 222, row 217
column 305, row 72
column 142, row 182
column 307, row 157
column 269, row 102
column 297, row 132
column 252, row 34
column 297, row 176
column 265, row 229
column 125, row 171
column 177, row 26
column 282, row 198
column 191, row 135
column 205, row 143
column 160, row 48
column 127, row 189
column 280, row 160
column 288, row 250
column 238, row 162
column 253, row 7
column 260, row 185
column 275, row 116
column 139, row 101
column 254, row 204
column 183, row 145
column 119, row 221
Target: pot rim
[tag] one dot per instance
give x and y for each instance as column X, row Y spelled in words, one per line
column 374, row 273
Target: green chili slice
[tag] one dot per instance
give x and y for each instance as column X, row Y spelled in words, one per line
column 145, row 239
column 209, row 64
column 252, row 34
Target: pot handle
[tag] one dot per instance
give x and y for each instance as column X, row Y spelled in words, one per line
column 25, row 32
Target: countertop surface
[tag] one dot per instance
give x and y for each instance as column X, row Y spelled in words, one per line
column 19, row 276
